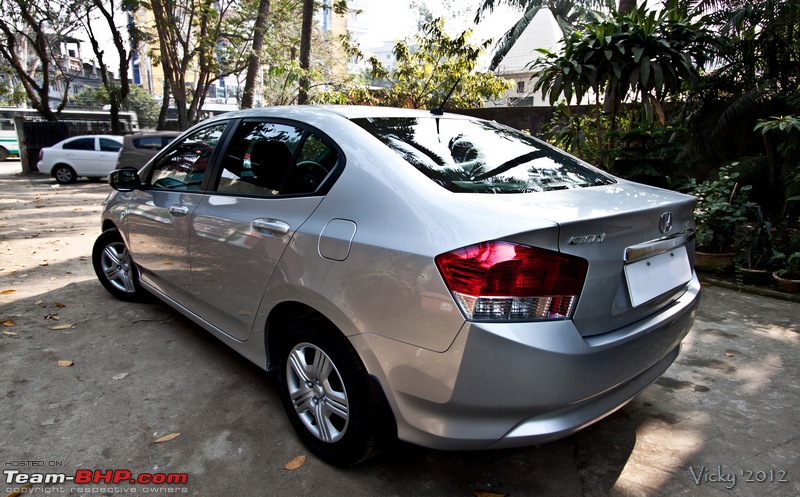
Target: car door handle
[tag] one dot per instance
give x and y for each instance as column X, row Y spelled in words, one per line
column 274, row 226
column 178, row 210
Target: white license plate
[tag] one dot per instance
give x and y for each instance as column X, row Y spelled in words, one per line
column 651, row 277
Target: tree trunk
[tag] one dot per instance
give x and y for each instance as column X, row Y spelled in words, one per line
column 626, row 6
column 162, row 114
column 305, row 50
column 254, row 61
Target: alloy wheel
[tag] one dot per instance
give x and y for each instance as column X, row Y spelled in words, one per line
column 317, row 392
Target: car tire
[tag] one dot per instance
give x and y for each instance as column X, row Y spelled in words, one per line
column 115, row 268
column 325, row 393
column 3, row 154
column 64, row 174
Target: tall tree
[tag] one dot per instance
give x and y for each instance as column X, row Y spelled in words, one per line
column 116, row 90
column 254, row 58
column 431, row 65
column 199, row 38
column 31, row 33
column 305, row 49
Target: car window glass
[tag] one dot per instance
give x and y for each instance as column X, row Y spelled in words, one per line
column 80, row 144
column 149, row 142
column 258, row 158
column 314, row 162
column 183, row 167
column 481, row 157
column 107, row 145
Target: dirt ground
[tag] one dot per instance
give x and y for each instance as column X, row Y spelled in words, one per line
column 724, row 420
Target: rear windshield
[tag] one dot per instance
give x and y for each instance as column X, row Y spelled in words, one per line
column 479, row 156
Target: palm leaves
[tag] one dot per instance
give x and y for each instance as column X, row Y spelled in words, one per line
column 566, row 12
column 646, row 52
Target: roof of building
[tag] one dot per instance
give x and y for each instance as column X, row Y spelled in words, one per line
column 542, row 32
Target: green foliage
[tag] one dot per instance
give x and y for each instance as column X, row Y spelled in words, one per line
column 91, row 99
column 755, row 75
column 433, row 63
column 575, row 131
column 146, row 108
column 645, row 54
column 722, row 206
column 11, row 93
column 757, row 243
column 791, row 266
column 784, row 132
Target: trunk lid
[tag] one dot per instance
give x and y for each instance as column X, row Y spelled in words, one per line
column 601, row 224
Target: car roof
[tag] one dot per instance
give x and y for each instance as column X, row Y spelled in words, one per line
column 140, row 134
column 301, row 112
column 113, row 137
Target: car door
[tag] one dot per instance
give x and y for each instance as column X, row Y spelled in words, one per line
column 159, row 216
column 262, row 194
column 107, row 155
column 81, row 155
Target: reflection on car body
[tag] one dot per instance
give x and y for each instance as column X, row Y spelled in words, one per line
column 409, row 275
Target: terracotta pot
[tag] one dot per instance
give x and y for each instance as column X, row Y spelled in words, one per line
column 789, row 282
column 758, row 277
column 713, row 263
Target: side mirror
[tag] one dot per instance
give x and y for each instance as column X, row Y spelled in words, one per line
column 124, row 180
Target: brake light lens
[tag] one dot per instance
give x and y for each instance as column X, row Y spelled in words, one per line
column 503, row 281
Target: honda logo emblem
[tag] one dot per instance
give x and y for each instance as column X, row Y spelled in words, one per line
column 665, row 223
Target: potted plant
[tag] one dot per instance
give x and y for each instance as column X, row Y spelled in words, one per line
column 788, row 278
column 721, row 209
column 756, row 253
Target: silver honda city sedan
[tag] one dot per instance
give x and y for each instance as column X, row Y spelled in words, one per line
column 440, row 279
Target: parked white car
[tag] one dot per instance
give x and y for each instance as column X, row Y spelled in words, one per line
column 92, row 156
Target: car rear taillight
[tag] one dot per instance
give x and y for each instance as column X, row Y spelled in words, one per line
column 503, row 281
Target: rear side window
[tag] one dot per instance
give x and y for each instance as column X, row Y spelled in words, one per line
column 269, row 159
column 152, row 142
column 80, row 144
column 107, row 145
column 465, row 155
column 183, row 167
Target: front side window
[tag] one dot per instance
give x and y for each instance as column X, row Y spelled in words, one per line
column 478, row 156
column 80, row 144
column 269, row 159
column 183, row 167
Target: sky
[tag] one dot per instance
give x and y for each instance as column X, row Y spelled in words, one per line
column 394, row 20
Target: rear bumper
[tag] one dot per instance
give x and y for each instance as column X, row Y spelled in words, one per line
column 508, row 385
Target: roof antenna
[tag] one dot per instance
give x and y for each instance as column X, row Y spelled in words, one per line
column 438, row 111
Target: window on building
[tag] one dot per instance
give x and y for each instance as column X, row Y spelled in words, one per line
column 520, row 87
